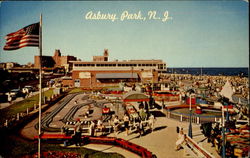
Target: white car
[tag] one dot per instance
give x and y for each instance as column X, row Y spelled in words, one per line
column 28, row 89
column 14, row 93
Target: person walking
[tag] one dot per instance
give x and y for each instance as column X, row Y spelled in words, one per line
column 92, row 128
column 181, row 139
column 143, row 114
column 126, row 123
column 100, row 126
column 116, row 125
column 140, row 128
column 9, row 99
column 77, row 133
column 151, row 122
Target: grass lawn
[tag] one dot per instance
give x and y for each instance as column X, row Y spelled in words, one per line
column 76, row 90
column 14, row 146
column 22, row 106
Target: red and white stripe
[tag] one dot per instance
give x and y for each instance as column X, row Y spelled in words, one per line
column 22, row 38
column 27, row 40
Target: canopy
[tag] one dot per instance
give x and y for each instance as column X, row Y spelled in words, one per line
column 134, row 96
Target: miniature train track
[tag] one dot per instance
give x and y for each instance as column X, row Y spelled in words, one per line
column 48, row 118
column 45, row 123
column 69, row 116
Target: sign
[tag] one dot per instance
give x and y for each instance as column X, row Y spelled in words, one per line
column 147, row 74
column 84, row 75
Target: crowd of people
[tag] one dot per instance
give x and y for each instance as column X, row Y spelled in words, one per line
column 209, row 86
column 212, row 84
column 126, row 124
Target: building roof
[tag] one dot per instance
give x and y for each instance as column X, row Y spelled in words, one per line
column 116, row 75
column 118, row 62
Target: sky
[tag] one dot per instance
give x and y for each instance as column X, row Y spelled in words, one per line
column 196, row 33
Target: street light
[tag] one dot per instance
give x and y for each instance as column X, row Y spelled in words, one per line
column 162, row 104
column 223, row 133
column 190, row 117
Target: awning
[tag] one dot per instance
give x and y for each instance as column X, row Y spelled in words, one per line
column 116, row 75
column 134, row 96
column 66, row 78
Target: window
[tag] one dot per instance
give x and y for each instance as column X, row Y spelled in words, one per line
column 160, row 66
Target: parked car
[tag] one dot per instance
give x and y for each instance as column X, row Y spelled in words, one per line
column 28, row 89
column 14, row 93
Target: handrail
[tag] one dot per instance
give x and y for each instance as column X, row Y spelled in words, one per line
column 199, row 148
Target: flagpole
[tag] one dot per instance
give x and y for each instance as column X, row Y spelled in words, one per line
column 40, row 87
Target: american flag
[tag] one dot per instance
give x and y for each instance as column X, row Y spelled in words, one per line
column 27, row 36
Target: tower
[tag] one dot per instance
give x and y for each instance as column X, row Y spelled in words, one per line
column 105, row 54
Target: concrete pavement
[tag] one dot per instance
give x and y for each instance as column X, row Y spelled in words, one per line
column 162, row 141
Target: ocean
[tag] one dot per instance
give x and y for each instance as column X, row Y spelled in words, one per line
column 243, row 71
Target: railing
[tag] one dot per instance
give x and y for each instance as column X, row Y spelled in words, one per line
column 197, row 150
column 194, row 118
column 24, row 116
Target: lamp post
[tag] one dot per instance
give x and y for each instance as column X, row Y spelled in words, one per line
column 227, row 120
column 162, row 104
column 227, row 113
column 190, row 117
column 90, row 80
column 223, row 134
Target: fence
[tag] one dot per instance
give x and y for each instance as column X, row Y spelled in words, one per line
column 198, row 151
column 194, row 118
column 21, row 117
